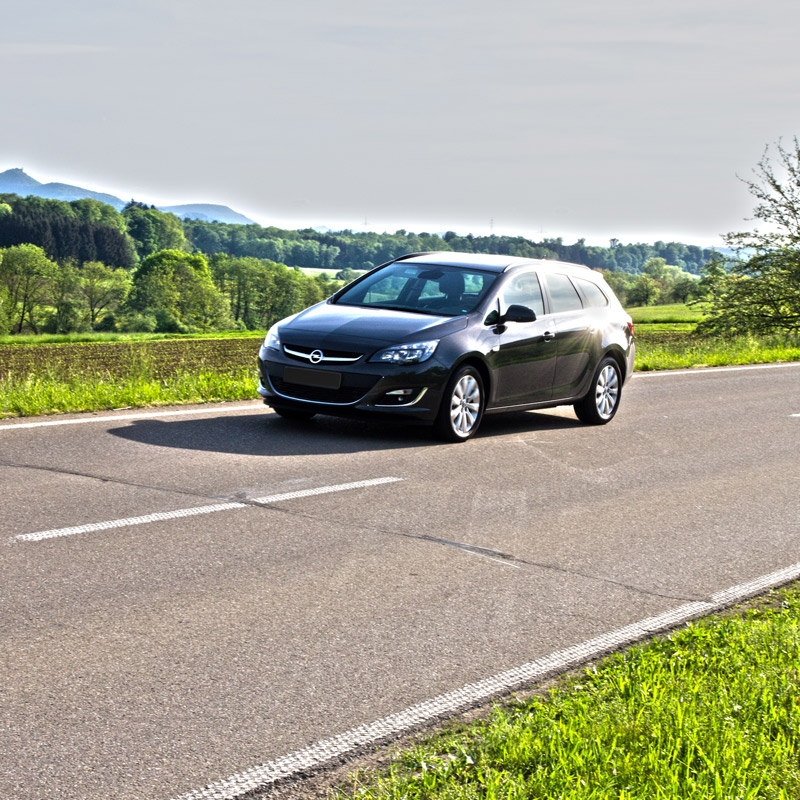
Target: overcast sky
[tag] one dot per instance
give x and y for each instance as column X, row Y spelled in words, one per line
column 594, row 118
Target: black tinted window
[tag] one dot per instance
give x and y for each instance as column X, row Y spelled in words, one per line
column 421, row 288
column 524, row 290
column 593, row 293
column 563, row 294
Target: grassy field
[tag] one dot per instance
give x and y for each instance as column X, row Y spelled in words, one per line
column 81, row 338
column 54, row 378
column 677, row 312
column 711, row 711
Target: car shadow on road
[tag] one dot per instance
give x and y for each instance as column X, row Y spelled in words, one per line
column 270, row 435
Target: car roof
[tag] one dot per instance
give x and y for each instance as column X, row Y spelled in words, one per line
column 491, row 263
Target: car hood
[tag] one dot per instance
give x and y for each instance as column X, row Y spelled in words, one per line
column 328, row 323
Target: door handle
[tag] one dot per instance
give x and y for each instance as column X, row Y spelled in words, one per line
column 548, row 336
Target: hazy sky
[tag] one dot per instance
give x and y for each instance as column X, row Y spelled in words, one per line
column 594, row 118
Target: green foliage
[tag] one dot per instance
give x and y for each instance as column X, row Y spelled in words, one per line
column 760, row 295
column 177, row 288
column 759, row 290
column 262, row 292
column 26, row 274
column 357, row 251
column 103, row 289
column 153, row 230
column 82, row 230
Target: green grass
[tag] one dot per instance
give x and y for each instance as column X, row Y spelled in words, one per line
column 54, row 393
column 670, row 349
column 74, row 338
column 712, row 711
column 677, row 312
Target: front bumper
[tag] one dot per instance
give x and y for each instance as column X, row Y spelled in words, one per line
column 364, row 390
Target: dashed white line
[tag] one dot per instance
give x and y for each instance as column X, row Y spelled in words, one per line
column 192, row 512
column 445, row 704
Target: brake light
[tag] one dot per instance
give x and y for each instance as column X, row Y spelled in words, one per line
column 630, row 328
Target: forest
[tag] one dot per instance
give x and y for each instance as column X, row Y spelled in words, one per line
column 82, row 265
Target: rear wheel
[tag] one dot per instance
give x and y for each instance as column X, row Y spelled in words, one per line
column 297, row 414
column 462, row 406
column 602, row 400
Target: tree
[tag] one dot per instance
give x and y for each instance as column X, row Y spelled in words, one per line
column 26, row 274
column 153, row 230
column 758, row 291
column 103, row 289
column 643, row 292
column 179, row 287
column 66, row 313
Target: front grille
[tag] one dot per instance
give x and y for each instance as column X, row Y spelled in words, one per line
column 298, row 351
column 344, row 395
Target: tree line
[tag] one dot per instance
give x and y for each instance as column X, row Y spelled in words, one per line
column 81, row 265
column 171, row 291
column 88, row 230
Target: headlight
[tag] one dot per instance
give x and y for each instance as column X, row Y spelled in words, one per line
column 407, row 353
column 273, row 339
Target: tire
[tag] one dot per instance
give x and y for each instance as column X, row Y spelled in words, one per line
column 462, row 406
column 601, row 402
column 295, row 414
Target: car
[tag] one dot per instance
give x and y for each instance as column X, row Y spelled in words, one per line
column 444, row 338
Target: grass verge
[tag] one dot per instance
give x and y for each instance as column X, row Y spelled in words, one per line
column 711, row 711
column 680, row 349
column 36, row 395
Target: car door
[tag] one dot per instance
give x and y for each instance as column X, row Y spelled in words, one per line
column 522, row 355
column 576, row 340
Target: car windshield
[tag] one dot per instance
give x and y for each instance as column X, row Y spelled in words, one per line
column 421, row 288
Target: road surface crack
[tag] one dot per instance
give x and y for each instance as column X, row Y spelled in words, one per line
column 484, row 551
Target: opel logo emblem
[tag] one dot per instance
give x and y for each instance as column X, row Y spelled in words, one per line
column 316, row 356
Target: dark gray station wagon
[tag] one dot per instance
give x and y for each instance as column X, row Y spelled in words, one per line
column 444, row 338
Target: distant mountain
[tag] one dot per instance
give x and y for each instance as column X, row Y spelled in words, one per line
column 16, row 181
column 208, row 213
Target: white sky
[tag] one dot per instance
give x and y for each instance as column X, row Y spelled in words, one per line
column 593, row 118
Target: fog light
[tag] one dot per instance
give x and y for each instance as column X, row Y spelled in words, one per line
column 401, row 397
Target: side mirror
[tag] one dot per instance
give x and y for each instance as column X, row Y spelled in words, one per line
column 517, row 313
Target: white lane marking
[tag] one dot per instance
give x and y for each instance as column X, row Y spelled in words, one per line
column 704, row 370
column 114, row 417
column 192, row 512
column 473, row 693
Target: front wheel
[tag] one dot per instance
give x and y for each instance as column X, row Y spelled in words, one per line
column 462, row 406
column 602, row 400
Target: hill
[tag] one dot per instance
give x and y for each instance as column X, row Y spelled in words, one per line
column 17, row 181
column 208, row 213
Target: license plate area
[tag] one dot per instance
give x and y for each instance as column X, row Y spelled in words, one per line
column 318, row 378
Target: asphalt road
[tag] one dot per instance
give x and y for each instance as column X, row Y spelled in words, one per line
column 142, row 661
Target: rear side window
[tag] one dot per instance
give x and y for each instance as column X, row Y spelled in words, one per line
column 563, row 294
column 593, row 293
